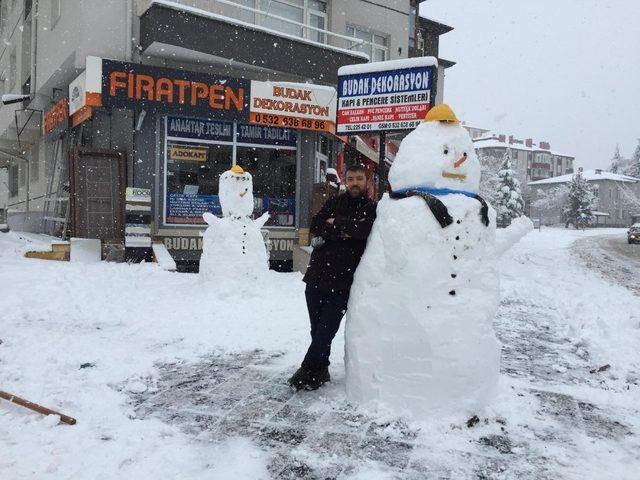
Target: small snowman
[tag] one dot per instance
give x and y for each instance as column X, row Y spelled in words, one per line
column 419, row 333
column 233, row 246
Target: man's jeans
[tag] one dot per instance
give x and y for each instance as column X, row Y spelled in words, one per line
column 326, row 309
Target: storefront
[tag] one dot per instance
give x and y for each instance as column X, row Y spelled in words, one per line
column 197, row 151
column 189, row 127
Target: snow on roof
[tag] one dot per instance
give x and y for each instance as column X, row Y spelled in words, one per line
column 206, row 14
column 444, row 28
column 388, row 65
column 492, row 142
column 589, row 176
column 470, row 125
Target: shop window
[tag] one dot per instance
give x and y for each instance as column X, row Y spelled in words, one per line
column 192, row 180
column 322, row 145
column 198, row 151
column 274, row 182
column 322, row 158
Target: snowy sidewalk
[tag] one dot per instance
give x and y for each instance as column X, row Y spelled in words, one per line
column 181, row 380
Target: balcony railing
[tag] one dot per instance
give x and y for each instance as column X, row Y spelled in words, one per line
column 351, row 42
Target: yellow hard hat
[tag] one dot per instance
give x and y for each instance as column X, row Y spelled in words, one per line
column 441, row 113
column 237, row 169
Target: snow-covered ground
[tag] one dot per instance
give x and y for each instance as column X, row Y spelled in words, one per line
column 172, row 378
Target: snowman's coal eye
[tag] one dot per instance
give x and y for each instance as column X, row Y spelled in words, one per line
column 446, row 151
column 465, row 154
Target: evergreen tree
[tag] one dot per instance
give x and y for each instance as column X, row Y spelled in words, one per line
column 635, row 162
column 509, row 203
column 580, row 201
column 490, row 166
column 616, row 161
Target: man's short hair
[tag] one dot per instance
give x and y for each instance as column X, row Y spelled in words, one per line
column 356, row 168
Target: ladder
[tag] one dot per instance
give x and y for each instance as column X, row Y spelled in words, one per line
column 55, row 214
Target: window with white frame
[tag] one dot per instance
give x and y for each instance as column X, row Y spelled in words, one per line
column 288, row 16
column 375, row 45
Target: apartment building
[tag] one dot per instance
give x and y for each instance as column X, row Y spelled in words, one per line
column 531, row 161
column 120, row 92
column 617, row 198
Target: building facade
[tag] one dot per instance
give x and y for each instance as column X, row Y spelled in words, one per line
column 617, row 198
column 155, row 95
column 530, row 161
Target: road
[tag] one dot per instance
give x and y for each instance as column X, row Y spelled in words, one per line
column 613, row 257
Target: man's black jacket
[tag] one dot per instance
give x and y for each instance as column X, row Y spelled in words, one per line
column 333, row 264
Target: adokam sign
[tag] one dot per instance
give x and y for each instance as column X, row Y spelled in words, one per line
column 383, row 96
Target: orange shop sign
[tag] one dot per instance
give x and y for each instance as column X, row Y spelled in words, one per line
column 293, row 105
column 56, row 115
column 127, row 85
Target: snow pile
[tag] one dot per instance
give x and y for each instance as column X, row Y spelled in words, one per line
column 125, row 320
column 118, row 321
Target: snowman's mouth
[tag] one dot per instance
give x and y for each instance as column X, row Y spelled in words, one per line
column 455, row 176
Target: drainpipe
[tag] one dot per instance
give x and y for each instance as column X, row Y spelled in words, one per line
column 128, row 31
column 34, row 42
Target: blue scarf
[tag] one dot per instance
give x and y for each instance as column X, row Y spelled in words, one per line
column 436, row 191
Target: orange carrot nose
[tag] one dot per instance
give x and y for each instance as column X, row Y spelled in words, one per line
column 460, row 161
column 244, row 193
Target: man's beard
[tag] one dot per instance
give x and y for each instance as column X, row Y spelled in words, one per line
column 355, row 192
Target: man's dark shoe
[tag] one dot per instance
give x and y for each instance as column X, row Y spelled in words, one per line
column 317, row 378
column 307, row 379
column 323, row 375
column 300, row 379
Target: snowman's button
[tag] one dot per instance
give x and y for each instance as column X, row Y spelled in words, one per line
column 452, row 292
column 458, row 237
column 455, row 257
column 459, row 221
column 453, row 275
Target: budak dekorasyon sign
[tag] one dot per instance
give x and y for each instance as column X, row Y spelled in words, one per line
column 385, row 96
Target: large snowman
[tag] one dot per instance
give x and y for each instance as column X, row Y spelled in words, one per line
column 419, row 335
column 233, row 247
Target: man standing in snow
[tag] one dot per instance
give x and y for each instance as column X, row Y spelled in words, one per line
column 339, row 236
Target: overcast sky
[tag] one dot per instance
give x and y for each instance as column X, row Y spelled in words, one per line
column 565, row 71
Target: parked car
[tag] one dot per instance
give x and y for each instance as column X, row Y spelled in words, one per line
column 633, row 235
